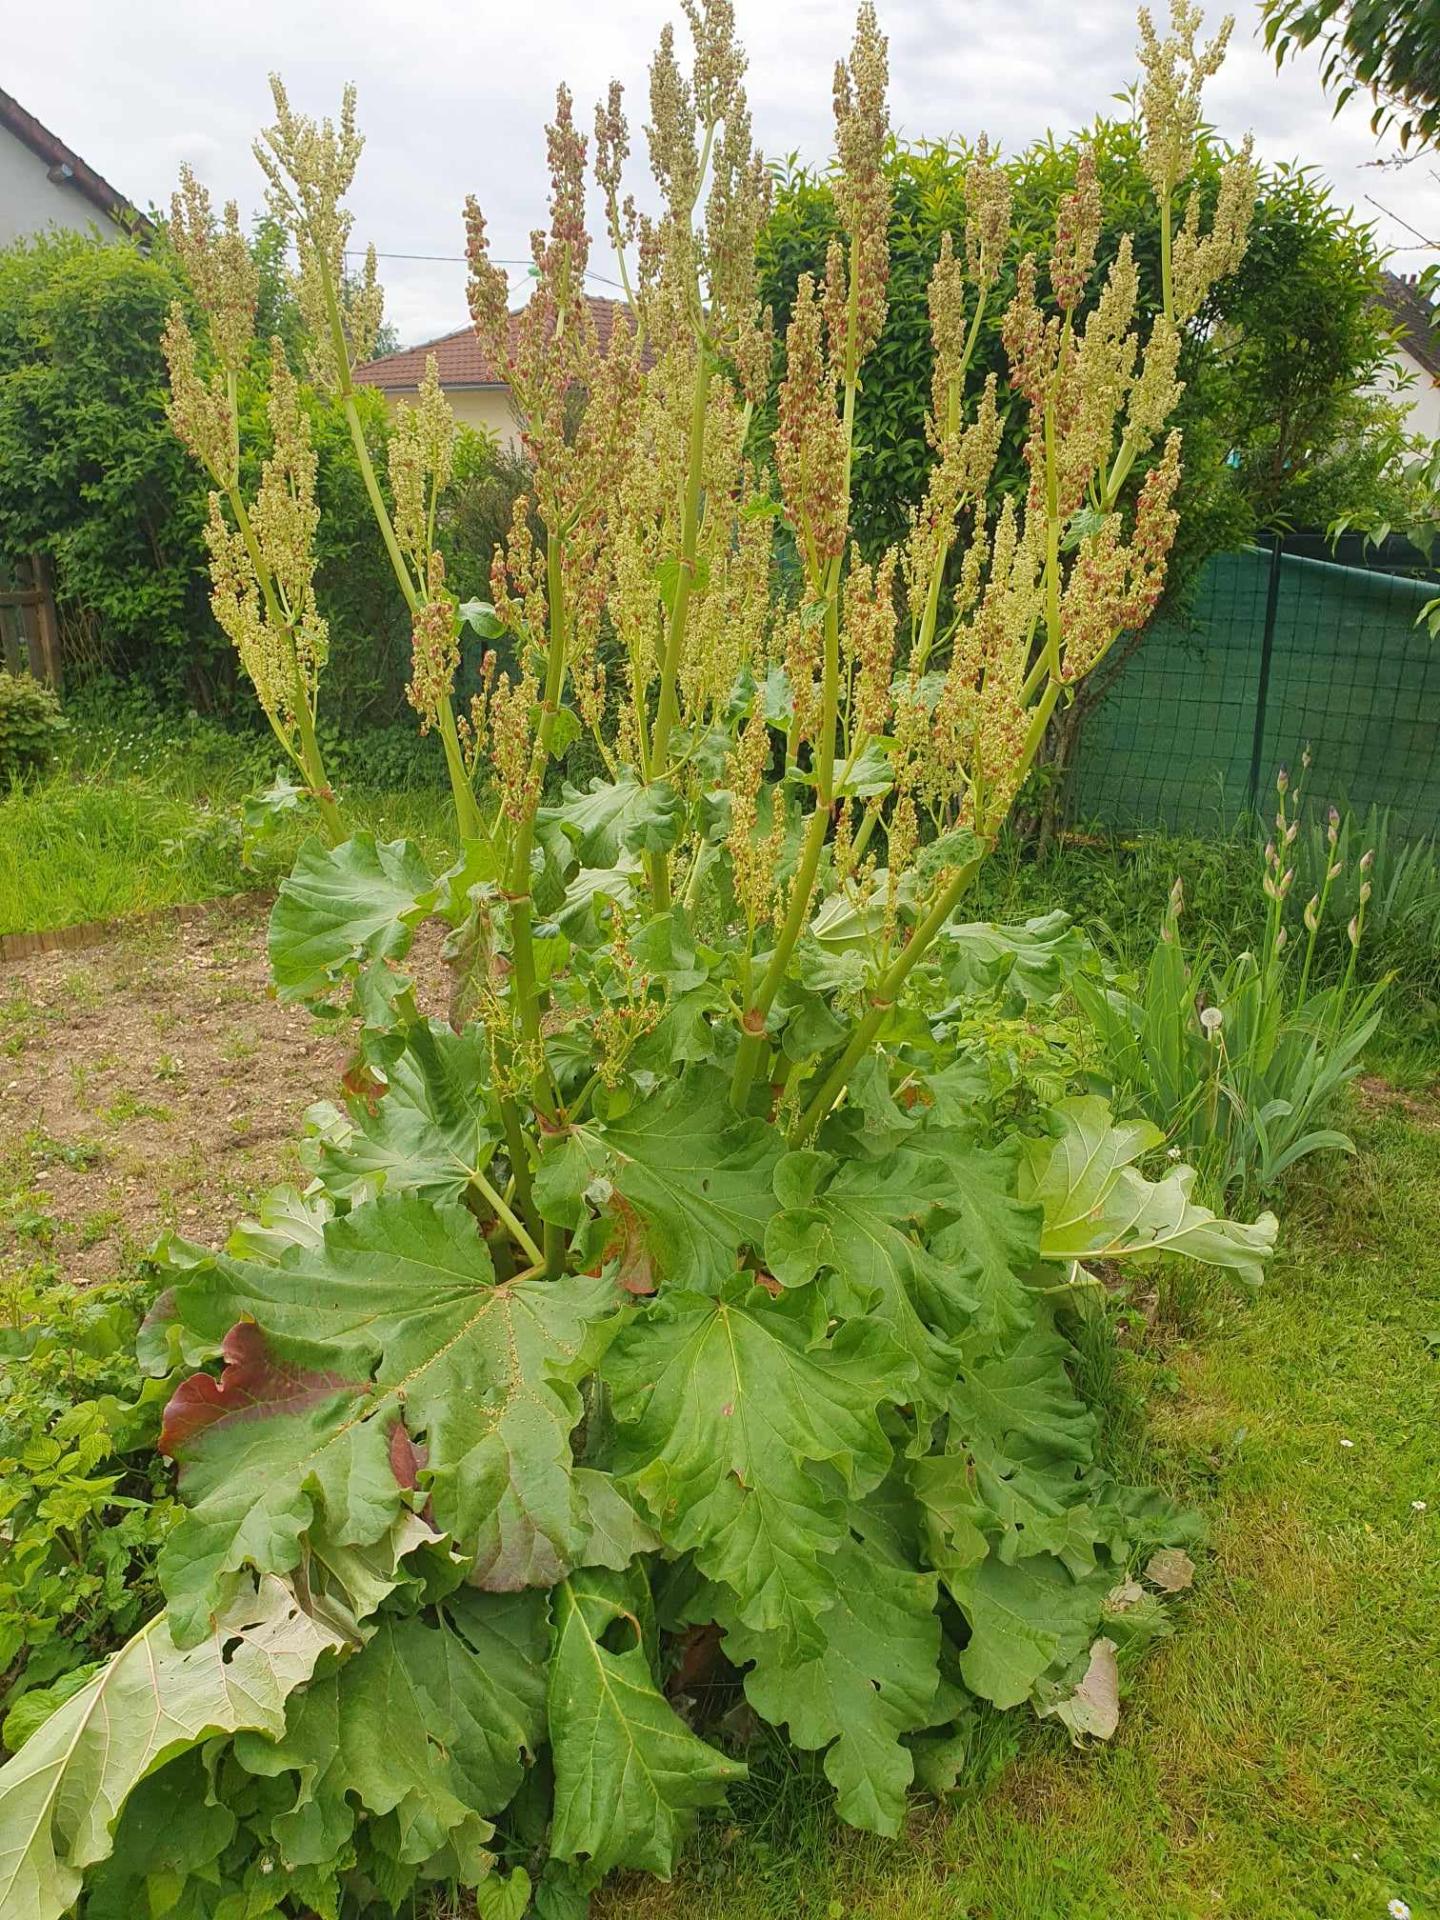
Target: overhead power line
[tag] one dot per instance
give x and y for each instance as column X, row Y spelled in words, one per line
column 459, row 259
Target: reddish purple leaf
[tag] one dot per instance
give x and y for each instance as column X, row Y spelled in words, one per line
column 253, row 1385
column 406, row 1459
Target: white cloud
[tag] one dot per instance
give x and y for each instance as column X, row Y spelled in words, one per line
column 452, row 99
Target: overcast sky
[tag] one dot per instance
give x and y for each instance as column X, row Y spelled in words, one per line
column 453, row 97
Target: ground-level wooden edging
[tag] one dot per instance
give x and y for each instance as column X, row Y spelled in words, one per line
column 94, row 933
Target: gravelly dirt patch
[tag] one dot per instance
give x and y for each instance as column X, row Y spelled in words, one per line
column 149, row 1083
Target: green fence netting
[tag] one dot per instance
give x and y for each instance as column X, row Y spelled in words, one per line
column 1280, row 649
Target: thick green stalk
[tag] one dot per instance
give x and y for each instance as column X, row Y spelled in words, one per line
column 1167, row 289
column 314, row 764
column 752, row 1024
column 752, row 1032
column 914, row 949
column 1052, row 543
column 526, row 982
column 666, row 709
column 517, row 1148
column 505, row 1215
column 890, row 983
column 926, row 636
column 462, row 793
column 467, row 811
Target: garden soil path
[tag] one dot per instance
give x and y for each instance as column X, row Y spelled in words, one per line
column 149, row 1083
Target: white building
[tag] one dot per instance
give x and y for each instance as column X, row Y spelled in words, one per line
column 1417, row 355
column 44, row 183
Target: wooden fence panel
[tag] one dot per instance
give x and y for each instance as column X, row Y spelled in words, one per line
column 29, row 625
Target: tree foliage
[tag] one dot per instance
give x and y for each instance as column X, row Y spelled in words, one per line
column 1391, row 52
column 91, row 475
column 1279, row 430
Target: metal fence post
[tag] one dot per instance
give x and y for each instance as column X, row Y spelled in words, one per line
column 1267, row 648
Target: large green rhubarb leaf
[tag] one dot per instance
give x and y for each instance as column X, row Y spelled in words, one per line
column 1099, row 1206
column 614, row 818
column 723, row 1407
column 987, row 1235
column 429, row 1725
column 1030, row 961
column 859, row 1226
column 874, row 1678
column 263, row 1450
column 62, row 1793
column 394, row 1316
column 628, row 1771
column 1012, row 1477
column 1024, row 1618
column 699, row 1181
column 344, row 905
column 428, row 1130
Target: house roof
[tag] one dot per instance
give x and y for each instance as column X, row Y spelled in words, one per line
column 460, row 359
column 77, row 174
column 1417, row 319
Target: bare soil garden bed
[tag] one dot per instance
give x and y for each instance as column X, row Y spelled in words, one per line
column 148, row 1082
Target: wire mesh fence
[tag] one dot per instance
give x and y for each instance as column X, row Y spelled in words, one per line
column 1286, row 645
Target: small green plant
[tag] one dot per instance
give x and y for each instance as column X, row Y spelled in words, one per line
column 688, row 1316
column 31, row 726
column 1401, row 908
column 1241, row 1063
column 85, row 1501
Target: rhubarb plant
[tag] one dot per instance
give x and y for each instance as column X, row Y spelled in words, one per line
column 670, row 1316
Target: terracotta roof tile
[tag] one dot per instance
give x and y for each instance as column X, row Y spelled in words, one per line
column 461, row 360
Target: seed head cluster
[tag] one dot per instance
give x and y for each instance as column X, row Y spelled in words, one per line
column 309, row 166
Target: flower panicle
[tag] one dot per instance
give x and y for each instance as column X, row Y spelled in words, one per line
column 1203, row 259
column 219, row 266
column 421, row 459
column 1077, row 235
column 198, row 408
column 263, row 570
column 987, row 217
column 810, row 445
column 1173, row 74
column 435, row 646
column 309, row 167
column 862, row 187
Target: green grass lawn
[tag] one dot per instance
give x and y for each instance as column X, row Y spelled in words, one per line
column 101, row 843
column 1279, row 1758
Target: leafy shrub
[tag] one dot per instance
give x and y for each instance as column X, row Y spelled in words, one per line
column 31, row 724
column 88, row 473
column 690, row 1314
column 85, row 1500
column 91, row 474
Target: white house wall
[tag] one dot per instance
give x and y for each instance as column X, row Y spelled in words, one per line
column 487, row 409
column 1420, row 397
column 30, row 201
